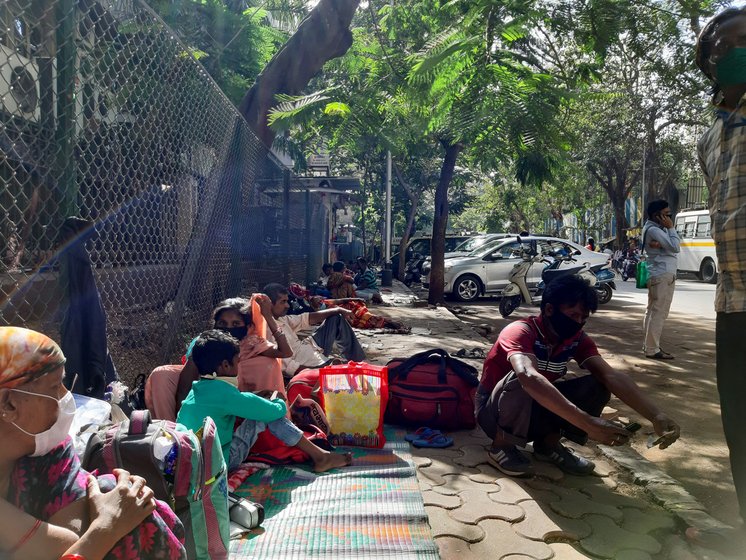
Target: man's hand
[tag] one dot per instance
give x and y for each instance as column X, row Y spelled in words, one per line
column 606, row 432
column 346, row 313
column 666, row 222
column 654, row 244
column 667, row 429
column 265, row 304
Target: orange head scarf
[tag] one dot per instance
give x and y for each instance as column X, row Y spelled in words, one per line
column 26, row 355
column 258, row 324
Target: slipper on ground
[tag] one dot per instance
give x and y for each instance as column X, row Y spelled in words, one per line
column 422, row 432
column 437, row 441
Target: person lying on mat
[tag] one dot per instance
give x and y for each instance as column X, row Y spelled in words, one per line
column 216, row 354
column 523, row 397
column 259, row 365
column 50, row 506
column 360, row 317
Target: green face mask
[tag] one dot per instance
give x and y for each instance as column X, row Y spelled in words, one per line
column 731, row 69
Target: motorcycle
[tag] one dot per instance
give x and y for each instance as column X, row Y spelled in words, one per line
column 629, row 267
column 604, row 282
column 517, row 290
column 413, row 270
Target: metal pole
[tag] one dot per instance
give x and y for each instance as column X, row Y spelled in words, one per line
column 388, row 209
column 387, row 273
column 65, row 133
column 644, row 193
column 286, row 226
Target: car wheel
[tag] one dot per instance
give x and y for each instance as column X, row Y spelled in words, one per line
column 604, row 292
column 509, row 304
column 467, row 288
column 708, row 271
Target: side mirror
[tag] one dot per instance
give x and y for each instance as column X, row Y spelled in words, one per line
column 495, row 257
column 576, row 252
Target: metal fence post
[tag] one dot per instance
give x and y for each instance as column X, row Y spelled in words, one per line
column 286, row 225
column 65, row 131
column 232, row 179
column 309, row 232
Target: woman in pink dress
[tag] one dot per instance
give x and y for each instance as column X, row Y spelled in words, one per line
column 259, row 365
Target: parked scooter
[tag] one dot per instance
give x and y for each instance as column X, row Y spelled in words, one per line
column 517, row 290
column 413, row 270
column 604, row 282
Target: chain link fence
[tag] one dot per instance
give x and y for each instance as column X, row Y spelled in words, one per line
column 105, row 115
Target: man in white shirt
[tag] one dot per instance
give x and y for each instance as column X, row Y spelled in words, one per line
column 312, row 351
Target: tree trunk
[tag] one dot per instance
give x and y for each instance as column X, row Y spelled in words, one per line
column 621, row 224
column 323, row 35
column 440, row 222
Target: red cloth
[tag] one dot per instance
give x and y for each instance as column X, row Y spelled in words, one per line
column 526, row 336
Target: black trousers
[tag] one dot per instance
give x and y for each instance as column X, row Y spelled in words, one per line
column 731, row 379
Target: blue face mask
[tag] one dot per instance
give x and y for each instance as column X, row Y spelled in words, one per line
column 731, row 69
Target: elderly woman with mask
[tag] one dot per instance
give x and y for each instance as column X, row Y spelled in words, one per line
column 50, row 507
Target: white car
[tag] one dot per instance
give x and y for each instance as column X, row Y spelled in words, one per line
column 469, row 246
column 486, row 270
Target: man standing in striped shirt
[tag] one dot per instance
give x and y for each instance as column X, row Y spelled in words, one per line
column 721, row 55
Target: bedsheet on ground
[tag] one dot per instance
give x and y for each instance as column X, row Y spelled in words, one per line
column 372, row 509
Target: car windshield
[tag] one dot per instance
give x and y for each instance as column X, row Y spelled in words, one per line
column 471, row 244
column 487, row 247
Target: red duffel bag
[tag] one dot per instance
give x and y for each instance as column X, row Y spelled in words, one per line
column 305, row 384
column 432, row 389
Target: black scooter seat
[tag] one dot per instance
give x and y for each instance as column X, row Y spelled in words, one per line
column 554, row 273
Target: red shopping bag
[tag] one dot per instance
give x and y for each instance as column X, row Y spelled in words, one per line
column 354, row 397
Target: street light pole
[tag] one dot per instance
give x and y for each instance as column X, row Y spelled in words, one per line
column 386, row 275
column 388, row 209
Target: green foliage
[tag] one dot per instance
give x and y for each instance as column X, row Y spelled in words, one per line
column 232, row 39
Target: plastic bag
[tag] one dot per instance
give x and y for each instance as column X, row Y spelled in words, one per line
column 642, row 276
column 90, row 415
column 354, row 397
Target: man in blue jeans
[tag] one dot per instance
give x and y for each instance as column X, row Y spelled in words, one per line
column 662, row 244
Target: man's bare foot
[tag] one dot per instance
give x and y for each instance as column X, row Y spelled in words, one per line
column 332, row 461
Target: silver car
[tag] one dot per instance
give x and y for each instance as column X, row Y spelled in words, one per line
column 469, row 246
column 486, row 270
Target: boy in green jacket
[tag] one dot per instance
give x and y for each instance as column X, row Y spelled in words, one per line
column 215, row 354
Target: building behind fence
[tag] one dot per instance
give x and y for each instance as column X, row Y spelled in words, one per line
column 105, row 115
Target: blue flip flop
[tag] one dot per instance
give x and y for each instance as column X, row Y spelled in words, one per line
column 434, row 440
column 422, row 432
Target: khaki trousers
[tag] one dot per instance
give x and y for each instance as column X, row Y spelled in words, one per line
column 660, row 295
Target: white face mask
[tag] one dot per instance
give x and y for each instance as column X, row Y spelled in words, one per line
column 56, row 434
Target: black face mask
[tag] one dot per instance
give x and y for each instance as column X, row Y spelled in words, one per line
column 564, row 326
column 236, row 332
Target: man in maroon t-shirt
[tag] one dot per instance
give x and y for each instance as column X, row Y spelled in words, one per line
column 522, row 396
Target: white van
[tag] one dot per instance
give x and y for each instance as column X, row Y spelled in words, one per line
column 697, row 246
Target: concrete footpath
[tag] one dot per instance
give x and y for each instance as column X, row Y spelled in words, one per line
column 628, row 510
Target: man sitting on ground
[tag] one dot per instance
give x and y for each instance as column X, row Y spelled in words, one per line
column 366, row 282
column 522, row 396
column 313, row 351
